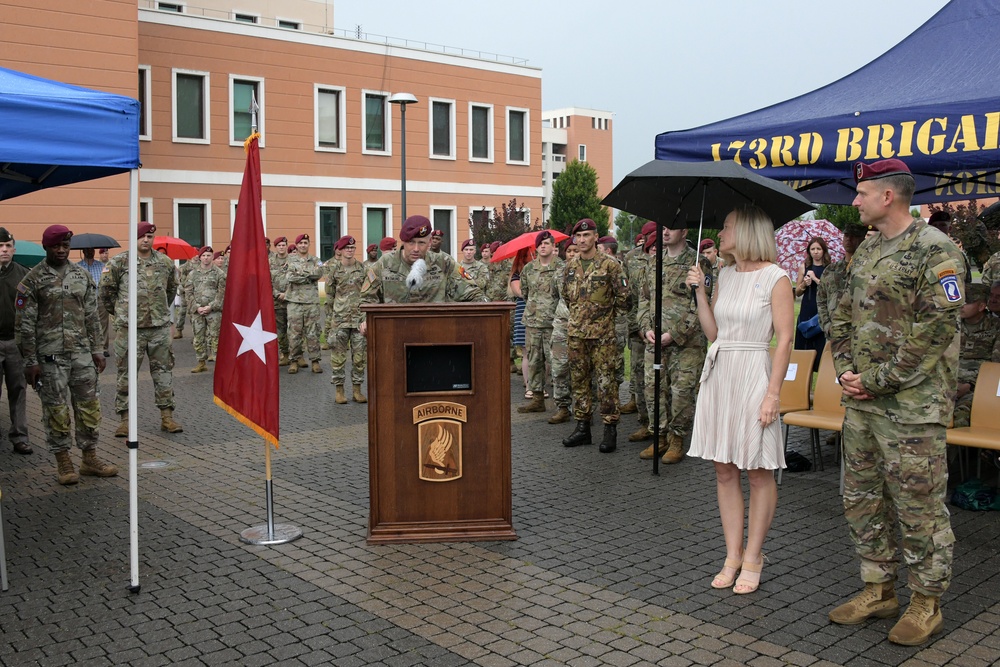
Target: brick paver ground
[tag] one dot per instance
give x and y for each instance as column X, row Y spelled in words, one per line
column 611, row 567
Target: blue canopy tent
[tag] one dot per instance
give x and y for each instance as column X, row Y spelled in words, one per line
column 931, row 101
column 53, row 134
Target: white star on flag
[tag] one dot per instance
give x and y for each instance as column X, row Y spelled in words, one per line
column 254, row 338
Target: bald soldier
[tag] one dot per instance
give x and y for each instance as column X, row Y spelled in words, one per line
column 895, row 340
column 411, row 274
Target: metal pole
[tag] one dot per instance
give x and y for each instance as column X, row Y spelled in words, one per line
column 133, row 412
column 402, row 177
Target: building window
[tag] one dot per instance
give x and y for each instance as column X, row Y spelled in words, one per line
column 583, row 152
column 191, row 218
column 246, row 18
column 145, row 132
column 330, row 230
column 290, row 25
column 329, row 118
column 234, row 205
column 480, row 217
column 375, row 122
column 242, row 91
column 443, row 219
column 146, row 210
column 376, row 224
column 191, row 117
column 170, row 7
column 480, row 133
column 442, row 129
column 517, row 136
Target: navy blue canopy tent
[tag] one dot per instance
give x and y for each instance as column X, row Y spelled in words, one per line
column 932, row 101
column 54, row 134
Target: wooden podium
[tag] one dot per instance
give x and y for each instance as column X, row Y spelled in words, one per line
column 439, row 422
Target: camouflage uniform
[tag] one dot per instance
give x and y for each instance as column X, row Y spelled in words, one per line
column 343, row 291
column 538, row 286
column 991, row 270
column 478, row 272
column 897, row 325
column 684, row 358
column 499, row 280
column 205, row 287
column 980, row 342
column 279, row 285
column 635, row 263
column 302, row 296
column 180, row 311
column 58, row 329
column 829, row 292
column 560, row 356
column 155, row 288
column 594, row 291
column 385, row 281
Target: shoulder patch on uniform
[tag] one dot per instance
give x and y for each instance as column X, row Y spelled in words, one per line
column 22, row 288
column 949, row 282
column 708, row 280
column 19, row 302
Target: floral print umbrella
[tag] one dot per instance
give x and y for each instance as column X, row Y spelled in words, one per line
column 792, row 240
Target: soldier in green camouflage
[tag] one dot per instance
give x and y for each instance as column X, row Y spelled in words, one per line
column 682, row 341
column 711, row 253
column 595, row 290
column 60, row 338
column 411, row 274
column 371, row 255
column 302, row 296
column 895, row 340
column 540, row 291
column 474, row 270
column 204, row 290
column 279, row 286
column 156, row 285
column 561, row 394
column 831, row 288
column 609, row 246
column 180, row 310
column 634, row 263
column 980, row 342
column 329, row 321
column 343, row 289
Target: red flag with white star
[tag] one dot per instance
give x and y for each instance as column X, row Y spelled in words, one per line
column 246, row 367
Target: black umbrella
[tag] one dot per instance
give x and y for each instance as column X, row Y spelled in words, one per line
column 91, row 240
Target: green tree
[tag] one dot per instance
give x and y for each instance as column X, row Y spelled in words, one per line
column 837, row 214
column 626, row 227
column 499, row 225
column 574, row 196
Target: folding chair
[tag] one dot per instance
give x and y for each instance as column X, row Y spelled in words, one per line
column 795, row 389
column 983, row 431
column 827, row 413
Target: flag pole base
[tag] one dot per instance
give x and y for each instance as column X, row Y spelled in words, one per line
column 282, row 534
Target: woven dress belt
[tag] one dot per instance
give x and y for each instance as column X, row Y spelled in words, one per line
column 736, row 345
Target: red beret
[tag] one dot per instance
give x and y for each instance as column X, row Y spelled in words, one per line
column 585, row 225
column 343, row 242
column 544, row 236
column 706, row 243
column 146, row 228
column 371, row 247
column 466, row 243
column 415, row 227
column 486, row 246
column 204, row 249
column 228, row 248
column 494, row 246
column 638, row 239
column 301, row 237
column 217, row 255
column 387, row 244
column 54, row 234
column 649, row 242
column 437, row 232
column 648, row 228
column 281, row 239
column 880, row 169
column 607, row 240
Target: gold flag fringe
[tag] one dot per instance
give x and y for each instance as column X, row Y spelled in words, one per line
column 239, row 416
column 246, row 144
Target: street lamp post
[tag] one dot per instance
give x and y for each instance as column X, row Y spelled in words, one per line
column 402, row 99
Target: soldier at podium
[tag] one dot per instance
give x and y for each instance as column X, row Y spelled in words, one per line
column 412, row 275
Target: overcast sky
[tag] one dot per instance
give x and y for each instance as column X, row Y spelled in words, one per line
column 658, row 64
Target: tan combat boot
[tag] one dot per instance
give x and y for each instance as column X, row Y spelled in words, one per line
column 642, row 434
column 324, row 346
column 293, row 367
column 875, row 601
column 648, row 453
column 920, row 620
column 629, row 408
column 340, row 399
column 200, row 368
column 283, row 359
column 167, row 422
column 65, row 472
column 95, row 467
column 179, row 333
column 358, row 396
column 561, row 416
column 122, row 430
column 537, row 403
column 316, row 368
column 675, row 449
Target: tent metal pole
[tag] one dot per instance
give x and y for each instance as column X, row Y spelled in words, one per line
column 133, row 443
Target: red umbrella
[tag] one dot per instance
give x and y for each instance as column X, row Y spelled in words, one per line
column 792, row 239
column 526, row 240
column 174, row 248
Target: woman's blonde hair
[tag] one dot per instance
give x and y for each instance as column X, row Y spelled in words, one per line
column 753, row 236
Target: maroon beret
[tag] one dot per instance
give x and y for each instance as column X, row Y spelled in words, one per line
column 486, row 246
column 217, row 255
column 494, row 246
column 607, row 240
column 228, row 248
column 281, row 239
column 146, row 228
column 638, row 239
column 387, row 244
column 649, row 242
column 415, row 227
column 204, row 249
column 54, row 234
column 544, row 236
column 343, row 242
column 466, row 243
column 648, row 228
column 706, row 243
column 585, row 225
column 301, row 237
column 880, row 169
column 437, row 232
column 371, row 247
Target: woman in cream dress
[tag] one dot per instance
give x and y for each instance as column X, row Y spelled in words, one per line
column 736, row 420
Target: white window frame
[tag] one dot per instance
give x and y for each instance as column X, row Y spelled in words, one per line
column 489, row 131
column 386, row 113
column 452, row 226
column 527, row 135
column 341, row 118
column 232, row 215
column 279, row 19
column 451, row 128
column 233, row 78
column 256, row 17
column 206, row 88
column 364, row 223
column 581, row 152
column 146, row 133
column 344, row 226
column 207, row 203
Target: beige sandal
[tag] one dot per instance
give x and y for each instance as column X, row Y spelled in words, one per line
column 721, row 580
column 749, row 579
